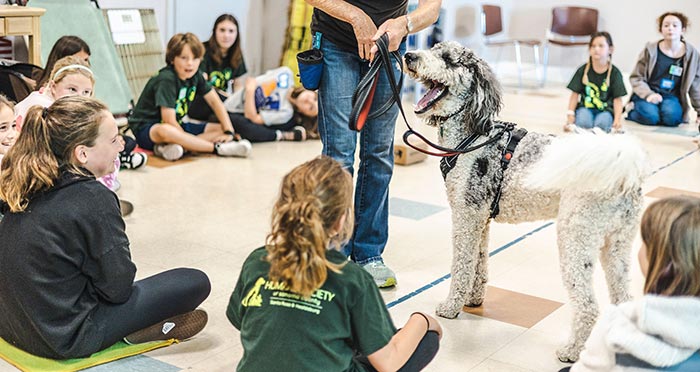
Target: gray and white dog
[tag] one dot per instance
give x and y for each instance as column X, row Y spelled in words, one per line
column 589, row 183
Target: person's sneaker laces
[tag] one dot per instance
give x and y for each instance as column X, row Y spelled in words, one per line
column 179, row 327
column 134, row 160
column 169, row 151
column 240, row 148
column 383, row 276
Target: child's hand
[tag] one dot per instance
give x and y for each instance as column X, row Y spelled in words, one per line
column 224, row 138
column 654, row 98
column 617, row 127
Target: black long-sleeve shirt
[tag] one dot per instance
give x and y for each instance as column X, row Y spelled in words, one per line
column 59, row 259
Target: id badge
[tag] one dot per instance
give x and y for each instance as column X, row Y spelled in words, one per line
column 675, row 70
column 667, row 84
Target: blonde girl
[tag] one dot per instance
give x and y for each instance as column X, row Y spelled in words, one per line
column 300, row 295
column 66, row 275
column 70, row 76
column 661, row 329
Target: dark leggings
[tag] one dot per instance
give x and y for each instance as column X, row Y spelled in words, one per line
column 258, row 132
column 424, row 353
column 152, row 300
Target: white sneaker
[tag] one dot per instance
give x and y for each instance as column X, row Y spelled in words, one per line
column 169, row 151
column 240, row 148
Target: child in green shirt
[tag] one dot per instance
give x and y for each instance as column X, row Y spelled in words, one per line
column 158, row 121
column 302, row 306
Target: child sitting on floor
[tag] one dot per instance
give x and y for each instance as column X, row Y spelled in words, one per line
column 158, row 119
column 597, row 89
column 270, row 108
column 299, row 295
column 66, row 274
column 661, row 329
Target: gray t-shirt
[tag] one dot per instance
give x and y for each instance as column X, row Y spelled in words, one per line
column 274, row 107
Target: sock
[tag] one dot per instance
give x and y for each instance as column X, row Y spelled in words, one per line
column 278, row 135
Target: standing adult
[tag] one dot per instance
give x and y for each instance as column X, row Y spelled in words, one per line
column 348, row 31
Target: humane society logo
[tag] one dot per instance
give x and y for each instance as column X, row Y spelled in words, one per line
column 281, row 296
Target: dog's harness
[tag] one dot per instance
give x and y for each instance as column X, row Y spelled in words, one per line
column 514, row 137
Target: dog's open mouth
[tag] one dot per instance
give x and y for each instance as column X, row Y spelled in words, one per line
column 434, row 94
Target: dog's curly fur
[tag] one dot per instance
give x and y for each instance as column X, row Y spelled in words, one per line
column 591, row 185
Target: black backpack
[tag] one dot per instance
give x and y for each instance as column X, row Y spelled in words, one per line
column 17, row 79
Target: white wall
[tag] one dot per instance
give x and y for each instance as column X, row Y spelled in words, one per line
column 630, row 22
column 263, row 23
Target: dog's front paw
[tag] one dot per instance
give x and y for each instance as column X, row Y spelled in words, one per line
column 448, row 309
column 569, row 353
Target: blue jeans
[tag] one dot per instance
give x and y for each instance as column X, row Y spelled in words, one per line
column 342, row 72
column 591, row 118
column 669, row 112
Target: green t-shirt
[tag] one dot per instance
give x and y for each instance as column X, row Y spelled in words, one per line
column 597, row 94
column 165, row 89
column 281, row 331
column 220, row 74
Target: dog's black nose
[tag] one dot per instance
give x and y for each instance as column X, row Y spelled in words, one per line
column 410, row 57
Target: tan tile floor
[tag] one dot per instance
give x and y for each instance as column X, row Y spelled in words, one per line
column 211, row 212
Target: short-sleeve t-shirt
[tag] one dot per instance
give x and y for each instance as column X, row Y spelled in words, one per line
column 274, row 106
column 220, row 74
column 280, row 329
column 165, row 89
column 597, row 94
column 342, row 34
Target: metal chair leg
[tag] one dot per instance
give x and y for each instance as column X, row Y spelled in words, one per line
column 536, row 51
column 544, row 67
column 519, row 61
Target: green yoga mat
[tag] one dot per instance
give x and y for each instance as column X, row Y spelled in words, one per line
column 28, row 362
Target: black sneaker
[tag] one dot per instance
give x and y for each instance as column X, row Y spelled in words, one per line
column 134, row 160
column 180, row 327
column 299, row 133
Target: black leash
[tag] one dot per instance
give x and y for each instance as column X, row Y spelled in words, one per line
column 365, row 91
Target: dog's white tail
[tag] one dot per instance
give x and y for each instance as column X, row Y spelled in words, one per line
column 605, row 163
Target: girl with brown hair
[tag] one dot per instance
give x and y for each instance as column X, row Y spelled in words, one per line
column 66, row 275
column 661, row 329
column 302, row 298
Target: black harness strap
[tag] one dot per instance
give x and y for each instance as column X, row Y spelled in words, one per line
column 448, row 162
column 515, row 137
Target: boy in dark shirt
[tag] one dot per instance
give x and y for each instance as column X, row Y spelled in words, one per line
column 158, row 122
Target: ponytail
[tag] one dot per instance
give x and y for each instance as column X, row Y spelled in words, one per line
column 45, row 147
column 314, row 197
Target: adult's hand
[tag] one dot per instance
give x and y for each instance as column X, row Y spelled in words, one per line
column 395, row 28
column 364, row 29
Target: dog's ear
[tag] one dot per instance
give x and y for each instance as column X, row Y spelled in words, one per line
column 485, row 100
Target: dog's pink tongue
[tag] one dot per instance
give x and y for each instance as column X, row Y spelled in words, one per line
column 428, row 98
